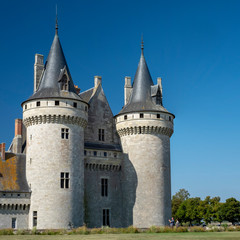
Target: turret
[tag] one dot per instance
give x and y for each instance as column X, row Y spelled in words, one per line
column 145, row 128
column 55, row 117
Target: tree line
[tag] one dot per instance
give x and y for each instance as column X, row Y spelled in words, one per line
column 195, row 211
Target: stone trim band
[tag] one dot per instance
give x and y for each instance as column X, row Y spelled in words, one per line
column 102, row 167
column 145, row 130
column 62, row 119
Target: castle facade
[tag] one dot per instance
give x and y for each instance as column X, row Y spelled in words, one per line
column 72, row 162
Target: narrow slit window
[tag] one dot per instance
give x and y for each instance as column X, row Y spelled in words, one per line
column 104, row 187
column 56, row 103
column 34, row 218
column 125, row 117
column 158, row 115
column 75, row 104
column 106, row 217
column 38, row 104
column 101, row 136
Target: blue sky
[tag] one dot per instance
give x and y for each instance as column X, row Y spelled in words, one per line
column 193, row 45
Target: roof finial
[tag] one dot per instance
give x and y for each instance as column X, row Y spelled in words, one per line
column 56, row 25
column 142, row 44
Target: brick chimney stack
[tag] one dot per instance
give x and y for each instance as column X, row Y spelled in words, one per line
column 2, row 151
column 17, row 141
column 18, row 127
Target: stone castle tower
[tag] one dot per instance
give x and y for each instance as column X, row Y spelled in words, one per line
column 145, row 128
column 55, row 117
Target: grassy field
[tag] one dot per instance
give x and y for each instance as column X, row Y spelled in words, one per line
column 142, row 236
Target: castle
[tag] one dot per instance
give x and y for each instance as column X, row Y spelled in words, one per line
column 72, row 162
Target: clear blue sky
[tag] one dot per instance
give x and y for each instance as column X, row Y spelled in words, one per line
column 193, row 45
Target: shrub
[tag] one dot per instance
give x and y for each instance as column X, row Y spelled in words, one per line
column 196, row 229
column 6, row 231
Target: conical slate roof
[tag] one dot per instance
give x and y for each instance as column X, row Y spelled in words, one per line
column 140, row 99
column 49, row 86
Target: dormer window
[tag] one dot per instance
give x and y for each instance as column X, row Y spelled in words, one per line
column 158, row 98
column 64, row 83
column 64, row 79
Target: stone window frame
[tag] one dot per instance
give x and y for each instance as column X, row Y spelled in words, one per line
column 64, row 180
column 65, row 133
column 34, row 218
column 14, row 223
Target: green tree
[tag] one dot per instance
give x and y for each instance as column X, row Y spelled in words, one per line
column 178, row 199
column 189, row 211
column 208, row 208
column 231, row 210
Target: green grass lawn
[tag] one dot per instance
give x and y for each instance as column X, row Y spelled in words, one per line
column 138, row 236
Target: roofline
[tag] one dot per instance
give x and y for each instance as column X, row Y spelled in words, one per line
column 54, row 98
column 144, row 111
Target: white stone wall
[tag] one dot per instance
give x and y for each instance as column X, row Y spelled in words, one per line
column 146, row 169
column 47, row 156
column 6, row 219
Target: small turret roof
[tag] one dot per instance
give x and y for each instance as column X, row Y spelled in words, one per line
column 49, row 86
column 140, row 99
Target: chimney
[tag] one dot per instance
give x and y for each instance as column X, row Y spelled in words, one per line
column 18, row 127
column 127, row 89
column 17, row 141
column 97, row 80
column 159, row 82
column 2, row 151
column 38, row 70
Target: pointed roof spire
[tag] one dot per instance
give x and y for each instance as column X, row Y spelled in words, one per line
column 56, row 24
column 140, row 99
column 142, row 45
column 55, row 68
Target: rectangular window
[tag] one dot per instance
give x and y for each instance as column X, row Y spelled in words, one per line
column 64, row 180
column 158, row 115
column 38, row 104
column 75, row 104
column 104, row 187
column 106, row 217
column 141, row 115
column 56, row 103
column 26, row 106
column 34, row 218
column 65, row 133
column 101, row 135
column 105, row 154
column 14, row 223
column 125, row 117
